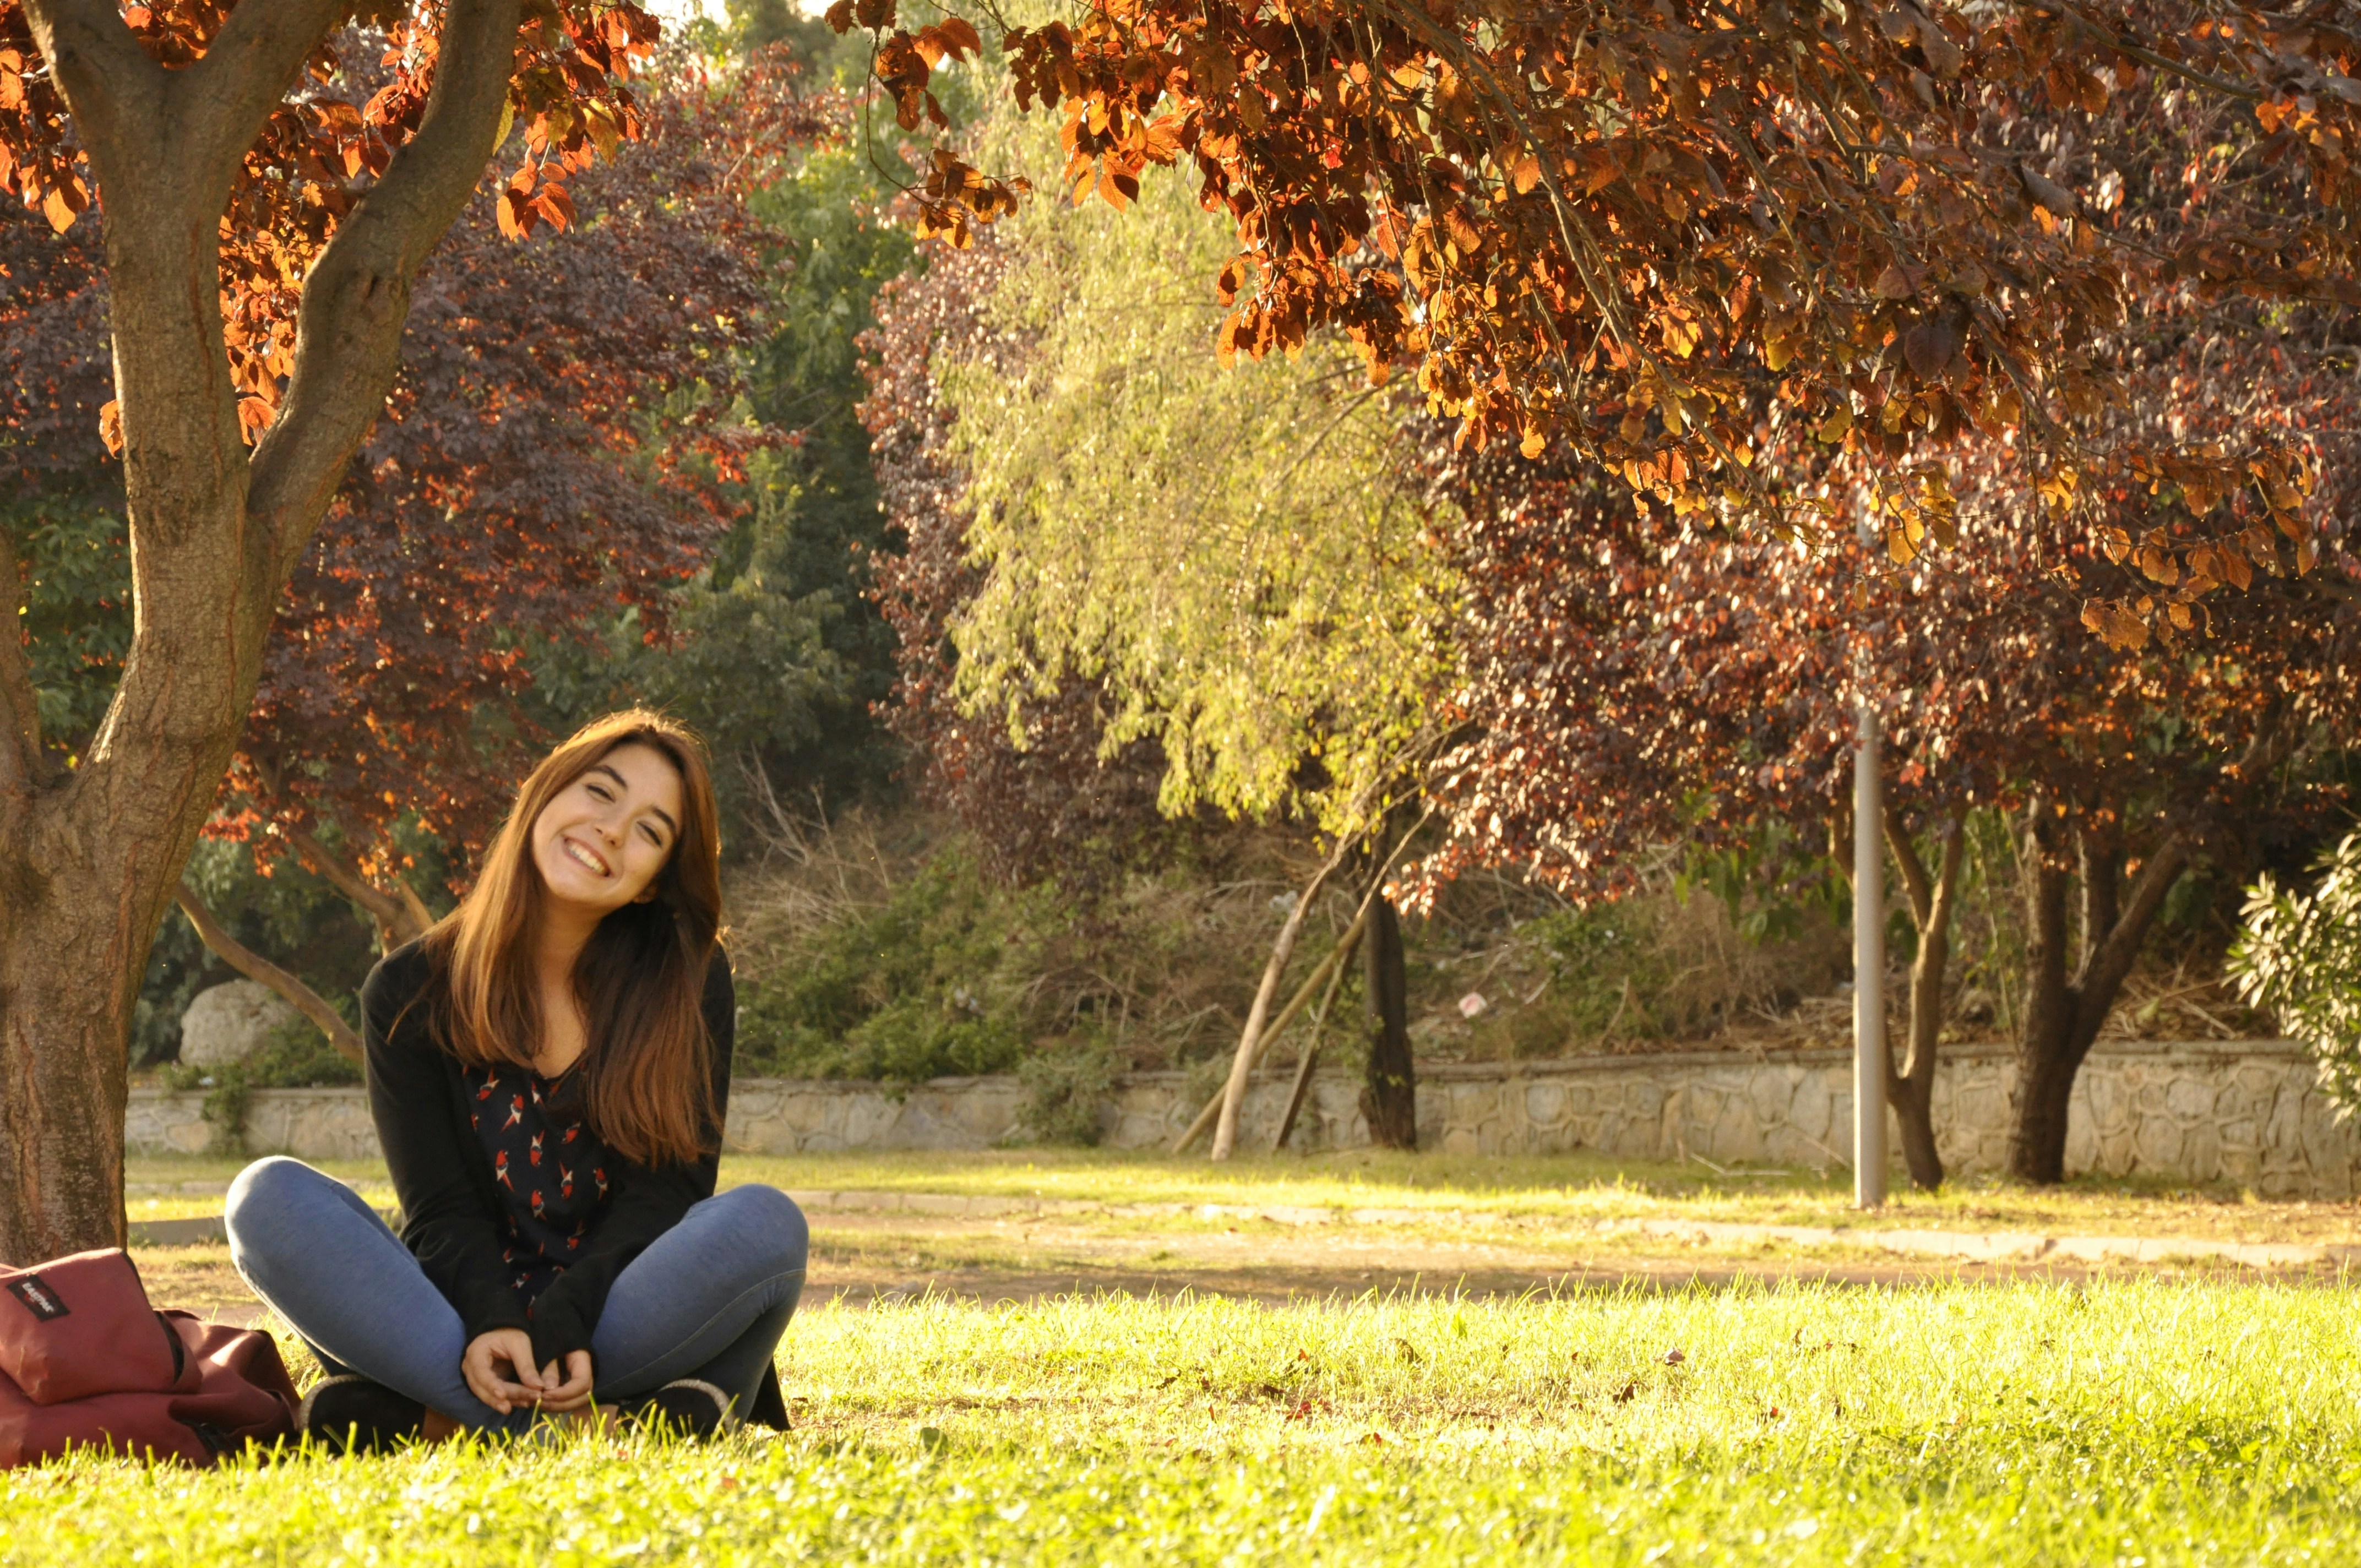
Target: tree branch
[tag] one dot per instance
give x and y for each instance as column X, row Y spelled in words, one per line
column 1330, row 972
column 104, row 74
column 1311, row 1055
column 400, row 919
column 1914, row 869
column 255, row 967
column 2110, row 958
column 348, row 330
column 1250, row 1038
column 229, row 96
column 2101, row 850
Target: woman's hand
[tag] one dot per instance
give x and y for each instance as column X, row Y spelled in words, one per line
column 574, row 1394
column 500, row 1370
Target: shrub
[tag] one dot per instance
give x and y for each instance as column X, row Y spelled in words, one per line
column 923, row 984
column 2299, row 957
column 293, row 1056
column 1065, row 1085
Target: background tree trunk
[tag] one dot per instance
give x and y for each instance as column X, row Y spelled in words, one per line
column 1389, row 1090
column 2064, row 1012
column 1910, row 1088
column 2068, row 1000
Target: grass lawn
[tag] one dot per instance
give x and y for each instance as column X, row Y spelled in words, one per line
column 1574, row 1188
column 2125, row 1422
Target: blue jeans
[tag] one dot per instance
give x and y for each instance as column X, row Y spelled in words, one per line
column 708, row 1299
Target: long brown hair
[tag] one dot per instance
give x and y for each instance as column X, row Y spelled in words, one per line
column 644, row 1080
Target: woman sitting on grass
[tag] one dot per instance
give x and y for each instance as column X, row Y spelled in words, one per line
column 548, row 1069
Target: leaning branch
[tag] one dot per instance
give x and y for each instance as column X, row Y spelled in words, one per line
column 348, row 330
column 1311, row 1057
column 1333, row 965
column 1914, row 880
column 1250, row 1038
column 255, row 967
column 399, row 917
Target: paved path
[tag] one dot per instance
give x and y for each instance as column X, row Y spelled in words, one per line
column 1973, row 1246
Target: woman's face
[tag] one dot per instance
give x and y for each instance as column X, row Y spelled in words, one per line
column 599, row 844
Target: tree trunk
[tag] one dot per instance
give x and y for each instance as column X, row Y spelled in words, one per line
column 2067, row 1002
column 2063, row 1014
column 72, row 953
column 89, row 857
column 1910, row 1089
column 1389, row 1090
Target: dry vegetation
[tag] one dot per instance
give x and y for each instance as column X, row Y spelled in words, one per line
column 888, row 933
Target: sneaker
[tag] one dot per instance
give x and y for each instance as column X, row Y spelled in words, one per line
column 688, row 1407
column 352, row 1415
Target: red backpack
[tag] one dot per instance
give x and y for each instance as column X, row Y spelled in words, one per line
column 86, row 1362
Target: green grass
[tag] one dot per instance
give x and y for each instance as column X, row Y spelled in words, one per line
column 2135, row 1422
column 1575, row 1187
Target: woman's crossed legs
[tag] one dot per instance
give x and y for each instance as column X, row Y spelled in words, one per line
column 709, row 1298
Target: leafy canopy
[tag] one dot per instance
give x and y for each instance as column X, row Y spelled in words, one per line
column 361, row 94
column 1233, row 558
column 1658, row 230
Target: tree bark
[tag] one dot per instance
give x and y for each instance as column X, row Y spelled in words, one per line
column 261, row 971
column 1910, row 1088
column 90, row 859
column 1389, row 1089
column 2067, row 1002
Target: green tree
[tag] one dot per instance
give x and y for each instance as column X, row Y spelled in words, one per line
column 1233, row 555
column 1227, row 563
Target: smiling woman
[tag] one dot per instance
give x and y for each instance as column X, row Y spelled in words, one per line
column 548, row 1069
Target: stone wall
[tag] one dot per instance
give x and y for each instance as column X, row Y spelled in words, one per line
column 2242, row 1114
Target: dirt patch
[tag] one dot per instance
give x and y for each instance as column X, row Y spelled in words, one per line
column 861, row 1258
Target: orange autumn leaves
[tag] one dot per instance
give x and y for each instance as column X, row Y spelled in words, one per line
column 338, row 127
column 1663, row 234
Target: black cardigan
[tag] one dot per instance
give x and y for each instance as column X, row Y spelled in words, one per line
column 450, row 1212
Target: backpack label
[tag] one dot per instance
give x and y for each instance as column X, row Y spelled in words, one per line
column 38, row 1298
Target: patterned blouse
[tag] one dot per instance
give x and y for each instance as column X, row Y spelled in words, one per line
column 550, row 1170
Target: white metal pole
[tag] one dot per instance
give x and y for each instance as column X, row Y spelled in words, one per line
column 1868, row 967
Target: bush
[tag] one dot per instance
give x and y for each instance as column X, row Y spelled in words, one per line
column 1065, row 1087
column 2299, row 957
column 925, row 984
column 293, row 1056
column 886, row 948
